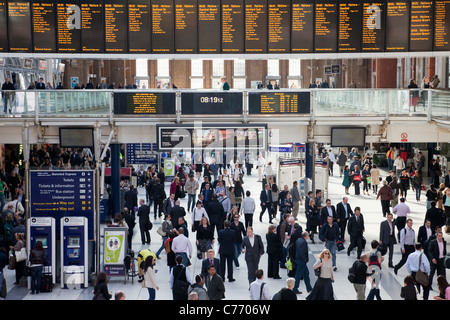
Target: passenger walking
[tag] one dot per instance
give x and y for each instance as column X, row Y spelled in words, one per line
column 323, row 288
column 150, row 277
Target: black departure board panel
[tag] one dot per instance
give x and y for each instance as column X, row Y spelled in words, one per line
column 302, row 26
column 116, row 25
column 325, row 29
column 19, row 26
column 3, row 27
column 397, row 26
column 279, row 17
column 442, row 26
column 421, row 26
column 139, row 26
column 163, row 26
column 279, row 103
column 44, row 26
column 144, row 103
column 92, row 29
column 256, row 26
column 209, row 39
column 186, row 26
column 349, row 38
column 201, row 103
column 68, row 21
column 373, row 26
column 233, row 29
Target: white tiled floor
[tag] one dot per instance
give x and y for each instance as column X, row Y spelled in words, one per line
column 343, row 289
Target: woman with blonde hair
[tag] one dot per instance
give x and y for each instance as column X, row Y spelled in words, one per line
column 204, row 237
column 323, row 288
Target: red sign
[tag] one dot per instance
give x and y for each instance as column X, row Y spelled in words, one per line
column 404, row 136
column 124, row 172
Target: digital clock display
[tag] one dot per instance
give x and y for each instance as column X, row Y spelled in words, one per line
column 199, row 103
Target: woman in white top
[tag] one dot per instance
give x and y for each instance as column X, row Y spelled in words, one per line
column 150, row 277
column 268, row 172
column 197, row 214
column 375, row 177
column 323, row 288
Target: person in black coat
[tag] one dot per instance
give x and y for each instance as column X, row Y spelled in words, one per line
column 326, row 211
column 214, row 284
column 343, row 213
column 101, row 291
column 144, row 221
column 424, row 230
column 239, row 227
column 216, row 213
column 436, row 262
column 131, row 199
column 253, row 253
column 130, row 220
column 210, row 260
column 226, row 238
column 266, row 202
column 157, row 195
column 355, row 230
column 435, row 215
column 274, row 252
column 387, row 236
column 176, row 212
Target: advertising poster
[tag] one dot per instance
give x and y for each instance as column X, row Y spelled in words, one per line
column 169, row 167
column 114, row 251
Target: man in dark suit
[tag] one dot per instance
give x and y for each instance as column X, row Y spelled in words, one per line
column 356, row 230
column 387, row 236
column 425, row 232
column 168, row 204
column 216, row 213
column 447, row 180
column 214, row 284
column 301, row 259
column 226, row 238
column 253, row 247
column 210, row 260
column 436, row 253
column 144, row 221
column 266, row 202
column 131, row 199
column 177, row 212
column 40, row 85
column 343, row 213
column 130, row 221
column 326, row 211
column 435, row 215
column 157, row 195
column 208, row 195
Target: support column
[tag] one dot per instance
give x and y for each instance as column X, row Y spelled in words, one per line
column 386, row 73
column 115, row 178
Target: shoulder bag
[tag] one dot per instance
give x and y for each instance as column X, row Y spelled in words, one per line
column 318, row 270
column 21, row 255
column 421, row 277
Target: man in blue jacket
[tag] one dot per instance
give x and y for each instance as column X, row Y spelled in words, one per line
column 301, row 259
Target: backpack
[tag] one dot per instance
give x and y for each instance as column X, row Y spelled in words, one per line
column 8, row 236
column 373, row 259
column 352, row 273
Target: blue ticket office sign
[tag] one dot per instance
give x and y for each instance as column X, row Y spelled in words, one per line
column 63, row 193
column 142, row 153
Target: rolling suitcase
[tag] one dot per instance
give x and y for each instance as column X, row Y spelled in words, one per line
column 46, row 283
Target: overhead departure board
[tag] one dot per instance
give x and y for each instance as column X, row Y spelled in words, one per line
column 421, row 26
column 302, row 26
column 44, row 26
column 139, row 20
column 144, row 103
column 279, row 17
column 209, row 39
column 92, row 29
column 68, row 38
column 19, row 26
column 186, row 26
column 116, row 26
column 349, row 38
column 325, row 29
column 397, row 26
column 256, row 26
column 3, row 27
column 442, row 26
column 373, row 26
column 233, row 29
column 276, row 103
column 162, row 26
column 201, row 103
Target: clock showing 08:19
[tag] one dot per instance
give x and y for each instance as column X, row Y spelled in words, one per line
column 206, row 99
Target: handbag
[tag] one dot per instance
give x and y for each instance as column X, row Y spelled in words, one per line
column 421, row 277
column 21, row 255
column 161, row 232
column 340, row 245
column 149, row 225
column 317, row 271
column 12, row 262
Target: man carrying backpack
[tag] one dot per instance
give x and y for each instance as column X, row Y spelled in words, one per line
column 358, row 275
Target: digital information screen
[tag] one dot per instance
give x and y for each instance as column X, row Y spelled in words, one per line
column 279, row 15
column 92, row 30
column 68, row 37
column 233, row 30
column 397, row 26
column 441, row 26
column 421, row 26
column 186, row 26
column 279, row 103
column 3, row 27
column 256, row 26
column 44, row 26
column 325, row 31
column 302, row 26
column 139, row 22
column 348, row 137
column 373, row 26
column 147, row 103
column 198, row 103
column 162, row 26
column 209, row 40
column 116, row 26
column 19, row 26
column 349, row 38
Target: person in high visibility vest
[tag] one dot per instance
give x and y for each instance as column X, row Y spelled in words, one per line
column 142, row 255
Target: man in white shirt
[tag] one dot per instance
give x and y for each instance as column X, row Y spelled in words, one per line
column 399, row 165
column 401, row 210
column 260, row 164
column 412, row 265
column 258, row 288
column 248, row 208
column 332, row 159
column 182, row 246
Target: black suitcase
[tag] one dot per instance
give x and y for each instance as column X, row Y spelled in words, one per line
column 46, row 283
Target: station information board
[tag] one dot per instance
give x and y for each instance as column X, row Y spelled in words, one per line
column 279, row 103
column 223, row 26
column 144, row 103
column 209, row 103
column 141, row 153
